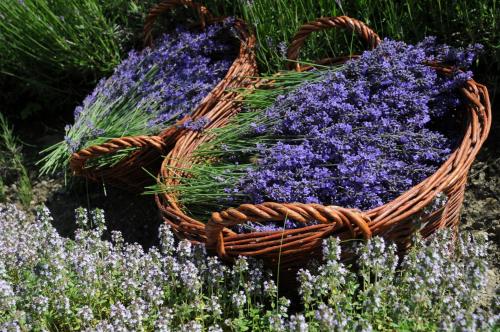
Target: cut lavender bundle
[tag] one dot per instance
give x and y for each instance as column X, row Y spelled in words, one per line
column 150, row 90
column 356, row 137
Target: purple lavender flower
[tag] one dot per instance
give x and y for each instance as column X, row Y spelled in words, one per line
column 271, row 226
column 282, row 48
column 196, row 125
column 359, row 136
column 168, row 81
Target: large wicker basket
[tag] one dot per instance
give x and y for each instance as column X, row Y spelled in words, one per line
column 132, row 172
column 413, row 211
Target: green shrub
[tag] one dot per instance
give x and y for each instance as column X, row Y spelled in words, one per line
column 42, row 40
column 53, row 51
column 459, row 22
column 11, row 164
column 456, row 23
column 48, row 282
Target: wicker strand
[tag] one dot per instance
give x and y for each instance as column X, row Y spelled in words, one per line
column 78, row 159
column 370, row 38
column 333, row 217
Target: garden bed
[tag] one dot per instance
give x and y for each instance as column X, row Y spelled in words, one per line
column 38, row 98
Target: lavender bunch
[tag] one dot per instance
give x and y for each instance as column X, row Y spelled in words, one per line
column 149, row 90
column 357, row 136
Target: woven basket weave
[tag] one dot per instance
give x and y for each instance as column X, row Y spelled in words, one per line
column 130, row 173
column 413, row 211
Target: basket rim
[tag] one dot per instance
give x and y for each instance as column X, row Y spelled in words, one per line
column 388, row 219
column 450, row 172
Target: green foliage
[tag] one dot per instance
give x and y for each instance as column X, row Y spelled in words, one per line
column 11, row 164
column 42, row 39
column 3, row 193
column 25, row 190
column 456, row 23
column 53, row 51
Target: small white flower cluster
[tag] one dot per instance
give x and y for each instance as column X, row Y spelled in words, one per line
column 51, row 283
column 436, row 286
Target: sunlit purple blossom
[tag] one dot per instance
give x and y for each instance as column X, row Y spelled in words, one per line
column 192, row 326
column 214, row 306
column 168, row 80
column 7, row 296
column 298, row 323
column 276, row 323
column 215, row 328
column 185, row 250
column 359, row 136
column 167, row 240
column 85, row 314
column 270, row 288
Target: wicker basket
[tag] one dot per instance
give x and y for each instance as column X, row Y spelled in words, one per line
column 413, row 211
column 130, row 173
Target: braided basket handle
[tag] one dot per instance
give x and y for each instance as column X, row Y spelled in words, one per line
column 78, row 159
column 167, row 5
column 370, row 38
column 269, row 211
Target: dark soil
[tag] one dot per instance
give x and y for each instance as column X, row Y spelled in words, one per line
column 136, row 216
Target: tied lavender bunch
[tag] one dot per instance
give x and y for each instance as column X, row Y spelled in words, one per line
column 365, row 133
column 150, row 90
column 355, row 136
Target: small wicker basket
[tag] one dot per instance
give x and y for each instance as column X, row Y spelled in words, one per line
column 413, row 211
column 130, row 173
